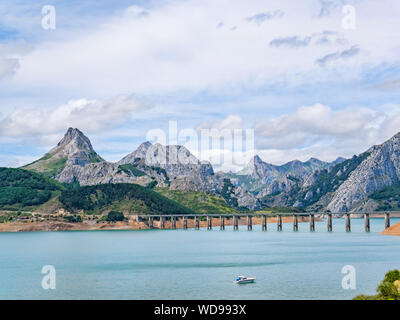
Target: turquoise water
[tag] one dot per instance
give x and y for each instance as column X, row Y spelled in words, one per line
column 190, row 264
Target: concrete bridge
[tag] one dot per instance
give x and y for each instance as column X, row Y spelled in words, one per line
column 149, row 219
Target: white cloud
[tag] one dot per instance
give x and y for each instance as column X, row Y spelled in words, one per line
column 194, row 47
column 10, row 54
column 310, row 131
column 176, row 46
column 8, row 66
column 261, row 17
column 15, row 162
column 321, row 132
column 88, row 115
column 335, row 56
column 230, row 122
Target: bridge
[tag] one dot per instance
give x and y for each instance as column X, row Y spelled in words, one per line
column 149, row 219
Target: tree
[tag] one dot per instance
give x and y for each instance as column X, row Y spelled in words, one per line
column 114, row 216
column 388, row 289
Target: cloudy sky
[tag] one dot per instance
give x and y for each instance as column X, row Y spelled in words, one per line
column 296, row 72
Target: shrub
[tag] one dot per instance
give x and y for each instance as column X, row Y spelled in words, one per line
column 115, row 216
column 388, row 289
column 74, row 218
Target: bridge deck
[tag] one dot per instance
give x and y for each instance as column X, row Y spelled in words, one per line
column 283, row 214
column 173, row 218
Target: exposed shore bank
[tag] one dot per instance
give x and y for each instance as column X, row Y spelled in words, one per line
column 128, row 225
column 393, row 230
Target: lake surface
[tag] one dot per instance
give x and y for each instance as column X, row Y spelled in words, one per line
column 198, row 264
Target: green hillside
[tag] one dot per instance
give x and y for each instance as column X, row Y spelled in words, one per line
column 388, row 198
column 26, row 190
column 21, row 189
column 124, row 197
column 47, row 166
column 199, row 202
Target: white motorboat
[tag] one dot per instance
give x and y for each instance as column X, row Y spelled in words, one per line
column 243, row 279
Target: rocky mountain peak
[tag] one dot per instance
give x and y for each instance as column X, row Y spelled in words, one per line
column 139, row 153
column 74, row 140
column 73, row 149
column 314, row 161
column 256, row 159
column 76, row 148
column 258, row 169
column 161, row 156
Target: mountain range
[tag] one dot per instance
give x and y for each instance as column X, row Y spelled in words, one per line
column 339, row 186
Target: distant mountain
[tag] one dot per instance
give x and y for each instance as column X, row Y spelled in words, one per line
column 349, row 185
column 301, row 169
column 139, row 153
column 315, row 190
column 263, row 178
column 73, row 160
column 337, row 161
column 342, row 185
column 379, row 168
column 74, row 149
column 257, row 169
column 260, row 169
column 183, row 170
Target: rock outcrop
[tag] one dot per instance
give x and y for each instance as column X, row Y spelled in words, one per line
column 74, row 149
column 380, row 168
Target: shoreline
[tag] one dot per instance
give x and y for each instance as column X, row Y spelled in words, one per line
column 128, row 225
column 393, row 230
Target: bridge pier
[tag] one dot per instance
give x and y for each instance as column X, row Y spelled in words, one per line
column 162, row 222
column 279, row 222
column 387, row 220
column 150, row 222
column 249, row 223
column 196, row 223
column 173, row 222
column 329, row 222
column 222, row 223
column 348, row 222
column 295, row 222
column 209, row 223
column 264, row 223
column 185, row 223
column 367, row 225
column 235, row 223
column 312, row 222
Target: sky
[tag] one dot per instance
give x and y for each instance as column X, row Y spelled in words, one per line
column 310, row 78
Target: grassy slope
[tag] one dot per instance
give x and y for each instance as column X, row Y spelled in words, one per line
column 128, row 198
column 47, row 166
column 199, row 202
column 388, row 198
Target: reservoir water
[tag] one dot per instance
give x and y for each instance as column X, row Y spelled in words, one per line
column 198, row 264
